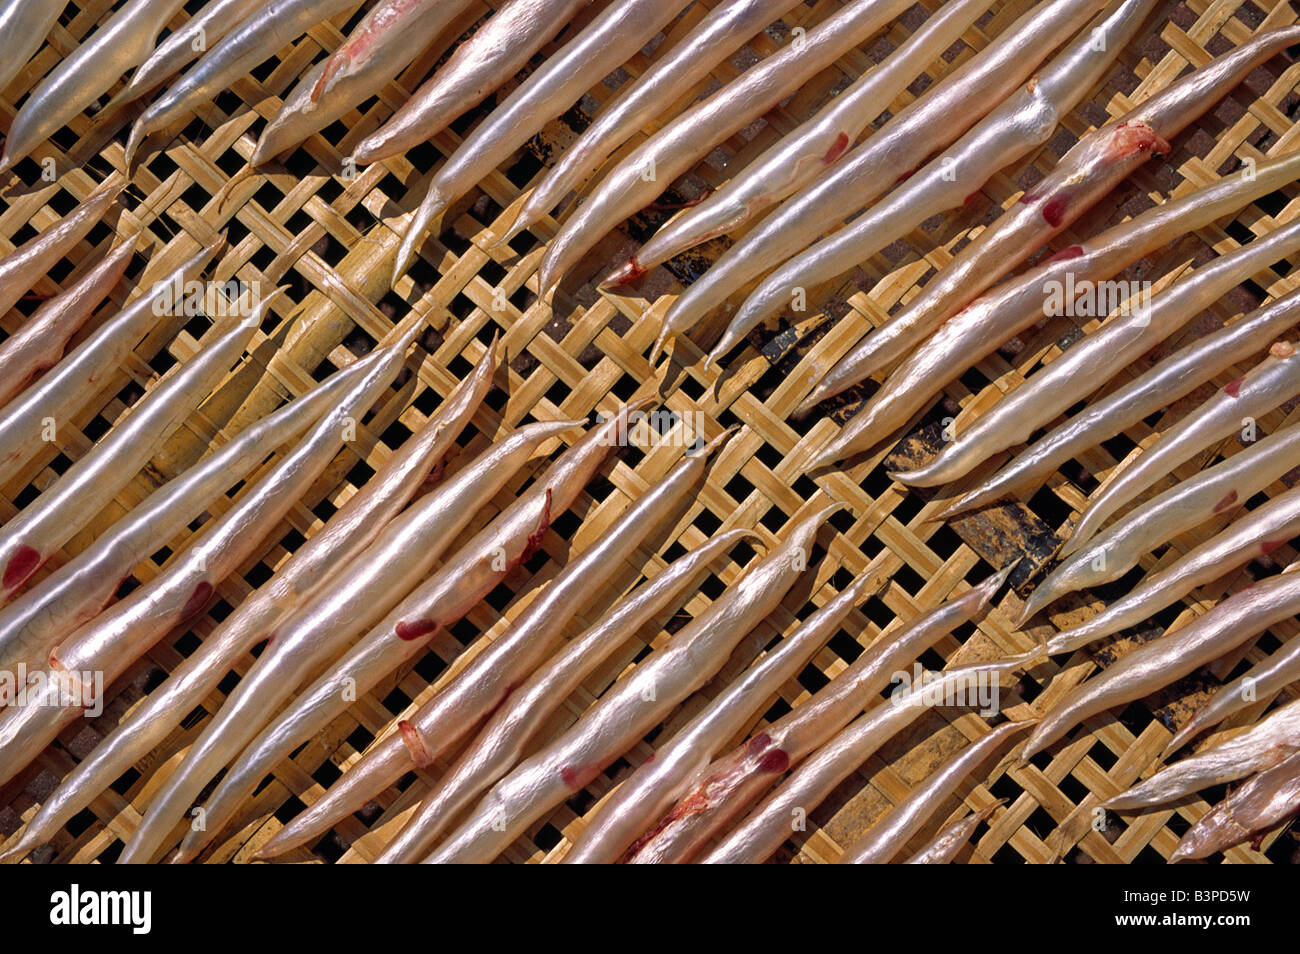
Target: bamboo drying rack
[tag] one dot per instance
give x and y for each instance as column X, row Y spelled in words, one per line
column 328, row 237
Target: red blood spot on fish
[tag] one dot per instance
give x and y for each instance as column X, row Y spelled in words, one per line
column 775, row 761
column 577, row 777
column 1029, row 197
column 1132, row 138
column 905, row 176
column 758, row 743
column 1268, row 546
column 1066, row 254
column 1233, row 388
column 1054, row 210
column 1226, row 502
column 21, row 565
column 198, row 599
column 837, row 149
column 410, row 631
column 534, row 541
column 501, row 700
column 630, row 273
column 414, row 743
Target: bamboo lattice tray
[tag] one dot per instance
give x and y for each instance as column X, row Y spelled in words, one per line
column 326, row 236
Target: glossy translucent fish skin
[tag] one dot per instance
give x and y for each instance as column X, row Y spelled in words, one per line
column 44, row 525
column 110, row 642
column 1083, row 177
column 1123, row 339
column 613, row 37
column 769, row 825
column 1267, row 386
column 890, row 835
column 691, row 136
column 121, row 43
column 320, row 628
column 39, row 343
column 1262, row 745
column 383, row 44
column 31, row 261
column 799, row 157
column 171, row 597
column 732, row 783
column 983, row 326
column 503, row 738
column 203, row 30
column 657, row 784
column 1254, row 535
column 633, row 705
column 1158, row 663
column 726, row 27
column 32, row 624
column 949, row 842
column 1171, row 379
column 535, row 634
column 1265, row 679
column 74, row 380
column 497, row 50
column 1026, row 121
column 936, row 119
column 442, row 599
column 258, row 37
column 1219, row 489
column 1270, row 797
column 24, row 25
column 305, row 573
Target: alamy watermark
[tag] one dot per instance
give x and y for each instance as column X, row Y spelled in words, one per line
column 1088, row 299
column 229, row 299
column 978, row 688
column 53, row 689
